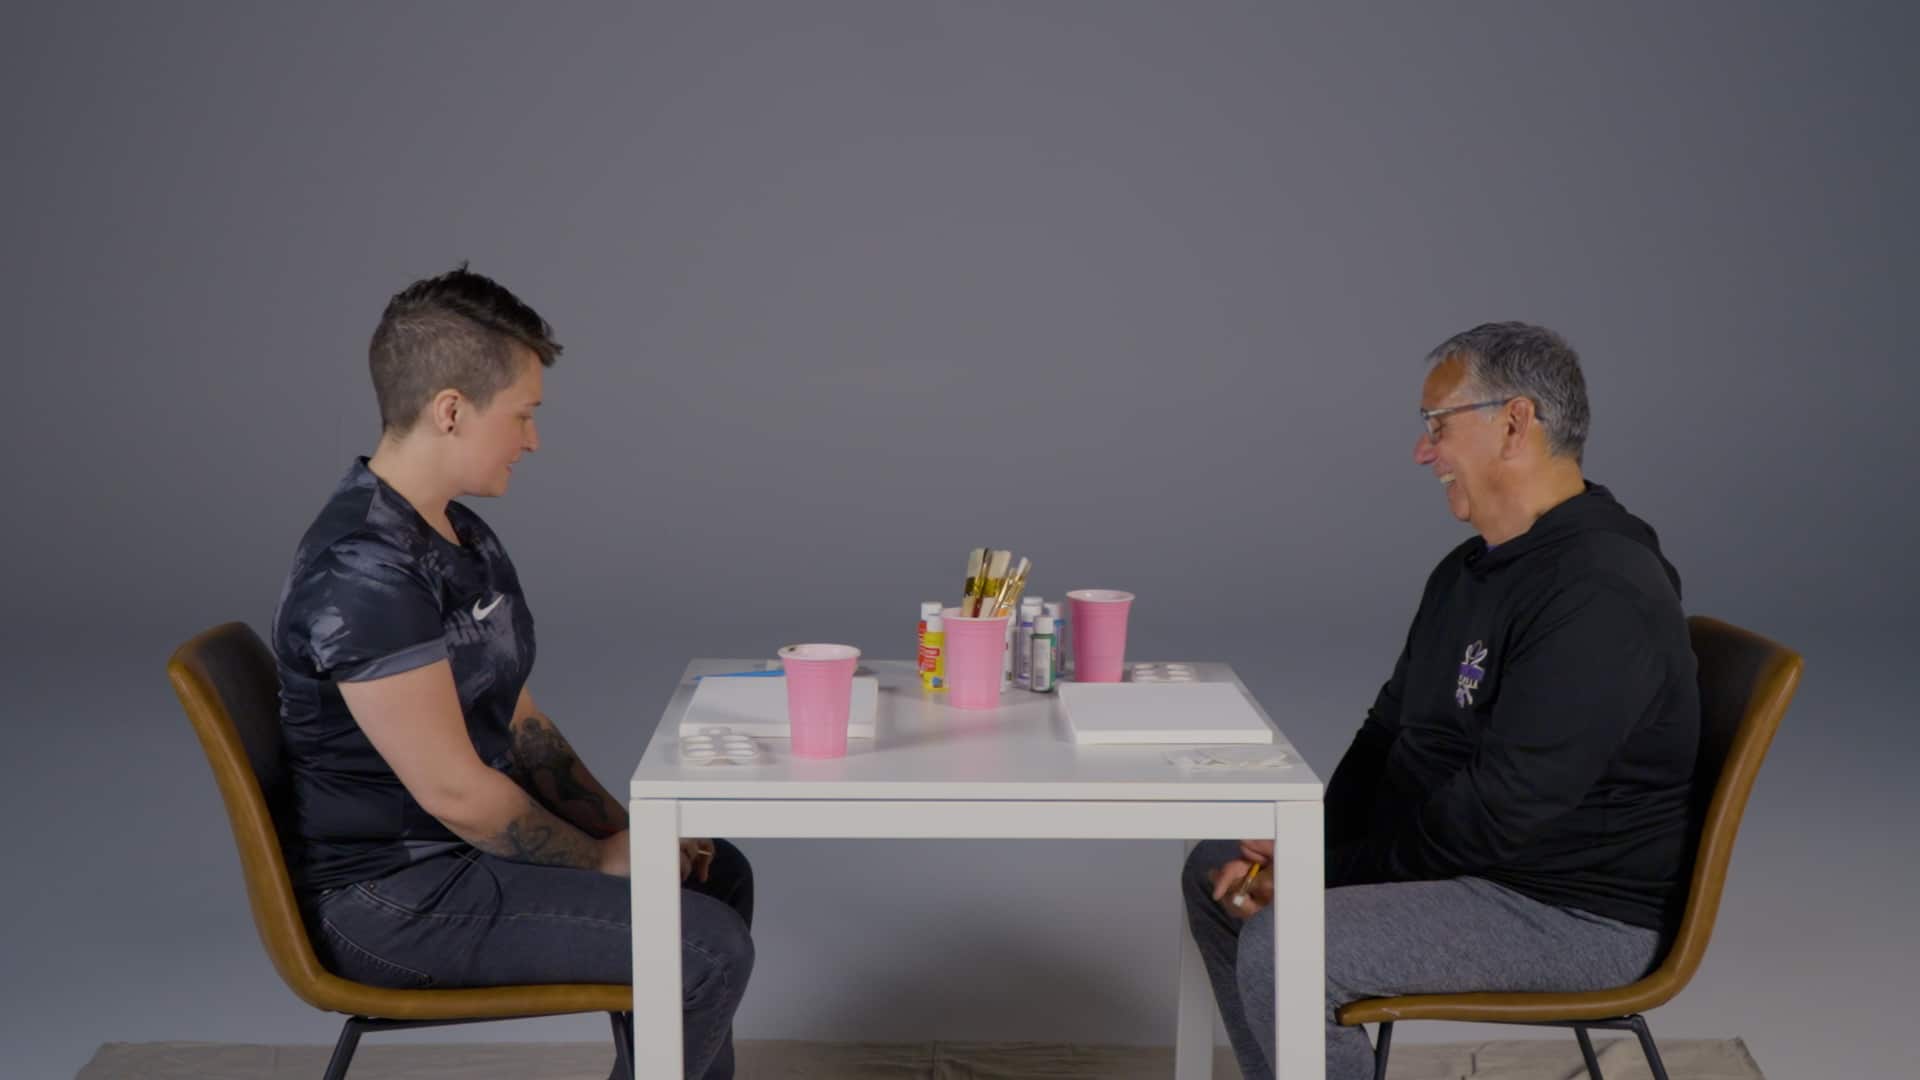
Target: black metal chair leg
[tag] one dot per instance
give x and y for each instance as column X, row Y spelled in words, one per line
column 1646, row 1046
column 622, row 1046
column 1381, row 1046
column 343, row 1049
column 1586, row 1051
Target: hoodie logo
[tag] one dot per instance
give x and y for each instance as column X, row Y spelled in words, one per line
column 1471, row 672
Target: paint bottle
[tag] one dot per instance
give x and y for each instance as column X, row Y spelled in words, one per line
column 933, row 654
column 1057, row 611
column 927, row 607
column 1041, row 662
column 1006, row 657
column 1023, row 642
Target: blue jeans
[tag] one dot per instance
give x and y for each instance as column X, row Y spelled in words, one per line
column 466, row 918
column 1410, row 937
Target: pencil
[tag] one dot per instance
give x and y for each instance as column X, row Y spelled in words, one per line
column 1239, row 896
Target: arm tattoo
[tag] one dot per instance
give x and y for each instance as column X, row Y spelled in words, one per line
column 539, row 837
column 546, row 766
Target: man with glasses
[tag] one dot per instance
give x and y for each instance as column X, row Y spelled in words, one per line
column 1512, row 815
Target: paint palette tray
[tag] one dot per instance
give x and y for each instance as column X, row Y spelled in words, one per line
column 720, row 746
column 1161, row 673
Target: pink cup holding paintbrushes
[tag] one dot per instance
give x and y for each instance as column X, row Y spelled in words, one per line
column 975, row 645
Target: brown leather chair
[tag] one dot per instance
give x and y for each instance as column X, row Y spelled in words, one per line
column 227, row 683
column 1746, row 682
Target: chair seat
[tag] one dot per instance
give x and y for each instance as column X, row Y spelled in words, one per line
column 335, row 994
column 1517, row 1008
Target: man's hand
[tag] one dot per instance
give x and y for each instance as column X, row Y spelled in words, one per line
column 696, row 858
column 1226, row 878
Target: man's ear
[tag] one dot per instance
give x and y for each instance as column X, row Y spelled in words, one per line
column 1519, row 417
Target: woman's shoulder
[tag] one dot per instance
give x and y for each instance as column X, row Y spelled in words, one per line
column 474, row 530
column 347, row 555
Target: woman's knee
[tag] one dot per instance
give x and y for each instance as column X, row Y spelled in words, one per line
column 730, row 861
column 729, row 879
column 717, row 950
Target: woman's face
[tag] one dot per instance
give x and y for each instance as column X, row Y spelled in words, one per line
column 493, row 438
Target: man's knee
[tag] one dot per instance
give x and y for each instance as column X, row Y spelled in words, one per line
column 1255, row 959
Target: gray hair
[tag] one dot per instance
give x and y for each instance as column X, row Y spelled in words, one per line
column 1516, row 359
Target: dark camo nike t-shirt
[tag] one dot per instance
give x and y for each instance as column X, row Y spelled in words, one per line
column 374, row 592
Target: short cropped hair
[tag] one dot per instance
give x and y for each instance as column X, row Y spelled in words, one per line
column 455, row 331
column 1516, row 359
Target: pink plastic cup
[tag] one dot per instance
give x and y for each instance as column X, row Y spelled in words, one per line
column 819, row 697
column 975, row 647
column 1099, row 621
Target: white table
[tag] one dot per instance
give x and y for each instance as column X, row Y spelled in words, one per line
column 933, row 772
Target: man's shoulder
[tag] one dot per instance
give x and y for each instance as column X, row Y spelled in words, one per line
column 1604, row 559
column 1596, row 579
column 1452, row 564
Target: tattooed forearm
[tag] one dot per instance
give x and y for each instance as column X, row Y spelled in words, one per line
column 537, row 836
column 546, row 766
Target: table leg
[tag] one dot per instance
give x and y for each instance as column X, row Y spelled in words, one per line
column 1193, row 1035
column 1299, row 942
column 657, row 1000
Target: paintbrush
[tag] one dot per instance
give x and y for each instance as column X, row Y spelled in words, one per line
column 996, row 578
column 976, row 580
column 1012, row 587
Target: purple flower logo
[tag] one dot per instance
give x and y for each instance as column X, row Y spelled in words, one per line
column 1472, row 670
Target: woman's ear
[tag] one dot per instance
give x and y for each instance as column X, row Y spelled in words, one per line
column 443, row 412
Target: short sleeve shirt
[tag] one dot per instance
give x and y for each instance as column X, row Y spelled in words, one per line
column 375, row 591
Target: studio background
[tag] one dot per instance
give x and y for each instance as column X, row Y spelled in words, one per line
column 846, row 289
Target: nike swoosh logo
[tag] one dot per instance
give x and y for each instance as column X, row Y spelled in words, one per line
column 480, row 613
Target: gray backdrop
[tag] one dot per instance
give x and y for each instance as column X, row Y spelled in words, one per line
column 846, row 289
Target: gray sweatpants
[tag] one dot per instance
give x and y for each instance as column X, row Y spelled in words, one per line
column 1416, row 937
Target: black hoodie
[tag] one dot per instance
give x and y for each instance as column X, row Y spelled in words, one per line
column 1540, row 727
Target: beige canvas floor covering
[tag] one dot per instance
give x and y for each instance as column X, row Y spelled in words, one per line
column 1532, row 1059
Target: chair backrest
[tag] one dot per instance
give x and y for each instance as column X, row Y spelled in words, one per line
column 1746, row 683
column 226, row 681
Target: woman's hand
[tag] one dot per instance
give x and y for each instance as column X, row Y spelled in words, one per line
column 615, row 856
column 696, row 859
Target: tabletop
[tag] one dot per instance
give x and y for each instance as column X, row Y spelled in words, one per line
column 925, row 749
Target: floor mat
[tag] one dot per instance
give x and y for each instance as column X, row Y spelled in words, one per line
column 1532, row 1059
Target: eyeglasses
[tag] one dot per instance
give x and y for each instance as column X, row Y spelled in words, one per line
column 1428, row 416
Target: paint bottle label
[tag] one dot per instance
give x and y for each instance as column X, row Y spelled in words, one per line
column 1042, row 661
column 933, row 655
column 1023, row 649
